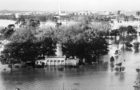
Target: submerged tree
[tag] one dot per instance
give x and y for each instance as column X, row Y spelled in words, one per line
column 83, row 43
column 26, row 46
column 28, row 50
column 88, row 50
column 131, row 30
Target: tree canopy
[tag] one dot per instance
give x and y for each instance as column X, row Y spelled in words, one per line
column 27, row 46
column 80, row 40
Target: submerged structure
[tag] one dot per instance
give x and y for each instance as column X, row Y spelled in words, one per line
column 59, row 59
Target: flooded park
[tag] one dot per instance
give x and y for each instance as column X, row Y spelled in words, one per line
column 69, row 45
column 89, row 77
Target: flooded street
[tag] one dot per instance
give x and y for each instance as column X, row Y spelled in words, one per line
column 95, row 77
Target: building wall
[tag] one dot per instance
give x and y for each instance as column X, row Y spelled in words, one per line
column 72, row 62
column 55, row 61
column 58, row 61
column 52, row 61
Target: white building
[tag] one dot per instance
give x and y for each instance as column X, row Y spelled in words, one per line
column 72, row 62
column 52, row 61
column 59, row 59
column 55, row 61
column 83, row 13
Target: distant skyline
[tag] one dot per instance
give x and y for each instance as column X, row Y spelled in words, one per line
column 70, row 5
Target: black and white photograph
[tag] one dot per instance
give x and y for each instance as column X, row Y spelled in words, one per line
column 69, row 45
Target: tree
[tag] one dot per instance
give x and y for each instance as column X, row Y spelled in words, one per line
column 82, row 43
column 131, row 30
column 23, row 34
column 28, row 50
column 83, row 49
column 8, row 31
column 138, row 13
column 26, row 46
column 34, row 23
column 122, row 30
column 46, row 47
column 114, row 32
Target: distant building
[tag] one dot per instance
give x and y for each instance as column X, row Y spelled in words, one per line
column 83, row 13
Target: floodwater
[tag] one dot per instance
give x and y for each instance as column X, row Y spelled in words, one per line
column 95, row 77
column 5, row 23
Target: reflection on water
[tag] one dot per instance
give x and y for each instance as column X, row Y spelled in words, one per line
column 96, row 77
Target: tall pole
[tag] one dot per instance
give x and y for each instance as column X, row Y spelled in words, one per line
column 123, row 45
column 123, row 37
column 63, row 86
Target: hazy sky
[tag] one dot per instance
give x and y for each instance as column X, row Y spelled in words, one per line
column 72, row 5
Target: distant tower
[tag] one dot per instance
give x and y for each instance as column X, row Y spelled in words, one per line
column 59, row 50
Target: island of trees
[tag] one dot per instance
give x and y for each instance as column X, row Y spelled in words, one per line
column 85, row 40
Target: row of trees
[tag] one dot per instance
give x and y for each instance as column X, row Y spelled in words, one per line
column 129, row 30
column 8, row 17
column 84, row 43
column 27, row 46
column 30, row 43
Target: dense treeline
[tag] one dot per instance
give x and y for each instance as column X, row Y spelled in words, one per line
column 31, row 42
column 129, row 30
column 42, row 18
column 84, row 40
column 8, row 17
